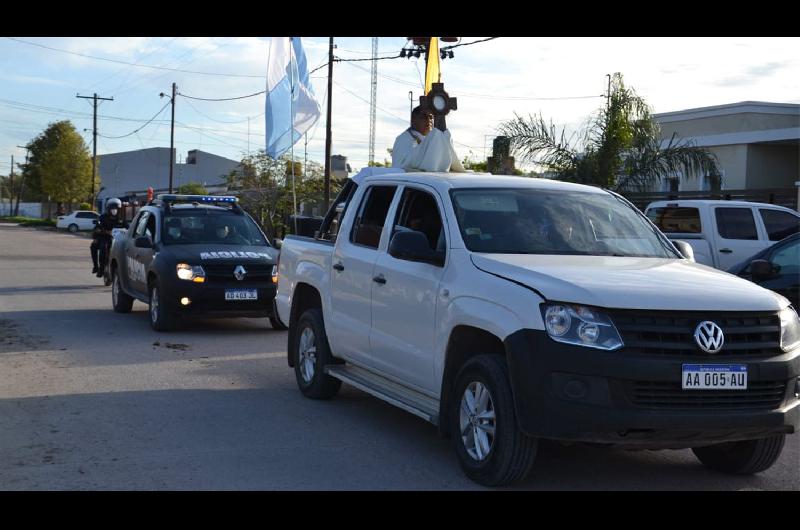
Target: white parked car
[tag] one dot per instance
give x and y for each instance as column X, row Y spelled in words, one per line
column 509, row 309
column 723, row 233
column 78, row 220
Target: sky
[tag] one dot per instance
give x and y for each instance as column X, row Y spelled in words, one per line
column 563, row 79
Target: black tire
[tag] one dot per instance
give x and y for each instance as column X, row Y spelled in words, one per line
column 313, row 382
column 72, row 228
column 511, row 452
column 120, row 300
column 161, row 316
column 275, row 320
column 742, row 458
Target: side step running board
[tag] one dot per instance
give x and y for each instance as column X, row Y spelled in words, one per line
column 407, row 399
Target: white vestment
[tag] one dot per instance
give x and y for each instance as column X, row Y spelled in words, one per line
column 434, row 152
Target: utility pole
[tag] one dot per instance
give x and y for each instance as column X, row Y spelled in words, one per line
column 22, row 178
column 172, row 138
column 410, row 102
column 608, row 93
column 328, row 134
column 94, row 136
column 11, row 187
column 373, row 100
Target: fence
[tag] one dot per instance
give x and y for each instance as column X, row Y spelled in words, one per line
column 26, row 209
column 780, row 196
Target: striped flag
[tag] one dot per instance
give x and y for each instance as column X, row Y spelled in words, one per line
column 291, row 108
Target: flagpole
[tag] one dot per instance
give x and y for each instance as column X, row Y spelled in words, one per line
column 291, row 127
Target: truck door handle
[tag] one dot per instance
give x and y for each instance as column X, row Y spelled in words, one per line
column 379, row 279
column 338, row 266
column 725, row 250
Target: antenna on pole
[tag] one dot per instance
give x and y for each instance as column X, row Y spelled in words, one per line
column 373, row 101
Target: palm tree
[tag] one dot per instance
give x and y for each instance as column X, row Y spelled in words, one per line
column 620, row 148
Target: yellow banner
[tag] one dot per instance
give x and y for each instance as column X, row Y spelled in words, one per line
column 432, row 72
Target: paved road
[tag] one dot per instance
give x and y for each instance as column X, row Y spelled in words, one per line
column 91, row 399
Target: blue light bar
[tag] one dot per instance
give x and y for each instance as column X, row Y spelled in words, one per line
column 197, row 198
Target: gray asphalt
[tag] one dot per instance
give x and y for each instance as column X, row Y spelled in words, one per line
column 94, row 400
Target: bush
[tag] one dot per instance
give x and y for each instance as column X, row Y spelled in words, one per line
column 27, row 221
column 85, row 206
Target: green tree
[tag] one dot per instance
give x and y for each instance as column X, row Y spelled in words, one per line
column 192, row 188
column 60, row 164
column 265, row 189
column 619, row 148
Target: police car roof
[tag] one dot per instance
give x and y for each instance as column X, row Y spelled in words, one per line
column 184, row 207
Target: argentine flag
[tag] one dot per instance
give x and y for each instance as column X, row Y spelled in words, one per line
column 291, row 108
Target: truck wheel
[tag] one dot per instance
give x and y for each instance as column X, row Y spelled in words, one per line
column 311, row 354
column 491, row 448
column 742, row 458
column 121, row 302
column 275, row 321
column 73, row 228
column 160, row 317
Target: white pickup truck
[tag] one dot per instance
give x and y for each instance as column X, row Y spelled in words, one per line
column 509, row 309
column 723, row 233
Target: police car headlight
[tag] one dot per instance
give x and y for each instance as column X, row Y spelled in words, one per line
column 580, row 326
column 790, row 329
column 193, row 273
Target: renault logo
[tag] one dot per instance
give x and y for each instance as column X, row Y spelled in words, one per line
column 709, row 336
column 239, row 272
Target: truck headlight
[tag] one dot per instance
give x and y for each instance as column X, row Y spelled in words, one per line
column 581, row 326
column 194, row 273
column 790, row 329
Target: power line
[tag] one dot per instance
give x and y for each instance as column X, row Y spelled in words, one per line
column 134, row 64
column 224, row 99
column 466, row 44
column 140, row 128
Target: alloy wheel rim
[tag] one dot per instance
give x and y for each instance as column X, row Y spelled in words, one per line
column 477, row 421
column 154, row 305
column 308, row 354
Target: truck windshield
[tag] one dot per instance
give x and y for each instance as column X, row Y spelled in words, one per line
column 211, row 227
column 533, row 221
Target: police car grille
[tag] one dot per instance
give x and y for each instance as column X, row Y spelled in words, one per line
column 669, row 395
column 223, row 272
column 672, row 332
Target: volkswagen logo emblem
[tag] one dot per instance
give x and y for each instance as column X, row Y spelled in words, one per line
column 239, row 272
column 709, row 336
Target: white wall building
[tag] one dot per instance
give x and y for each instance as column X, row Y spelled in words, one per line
column 134, row 171
column 757, row 143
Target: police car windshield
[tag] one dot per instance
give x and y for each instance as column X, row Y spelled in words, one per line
column 210, row 227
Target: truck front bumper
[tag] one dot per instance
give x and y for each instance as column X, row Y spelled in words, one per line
column 623, row 398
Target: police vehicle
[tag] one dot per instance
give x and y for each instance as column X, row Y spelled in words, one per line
column 194, row 255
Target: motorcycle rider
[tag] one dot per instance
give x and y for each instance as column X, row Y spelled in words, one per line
column 102, row 235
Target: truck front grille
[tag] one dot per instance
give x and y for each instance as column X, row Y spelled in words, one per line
column 766, row 395
column 672, row 332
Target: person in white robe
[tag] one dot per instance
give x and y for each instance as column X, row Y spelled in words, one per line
column 421, row 147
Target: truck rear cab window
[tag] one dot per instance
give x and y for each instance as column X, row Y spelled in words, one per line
column 779, row 224
column 676, row 219
column 329, row 228
column 371, row 217
column 736, row 223
column 418, row 211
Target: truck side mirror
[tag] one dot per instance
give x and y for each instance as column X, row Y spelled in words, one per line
column 412, row 245
column 277, row 243
column 143, row 242
column 761, row 269
column 685, row 249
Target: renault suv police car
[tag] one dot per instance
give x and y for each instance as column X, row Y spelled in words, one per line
column 194, row 255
